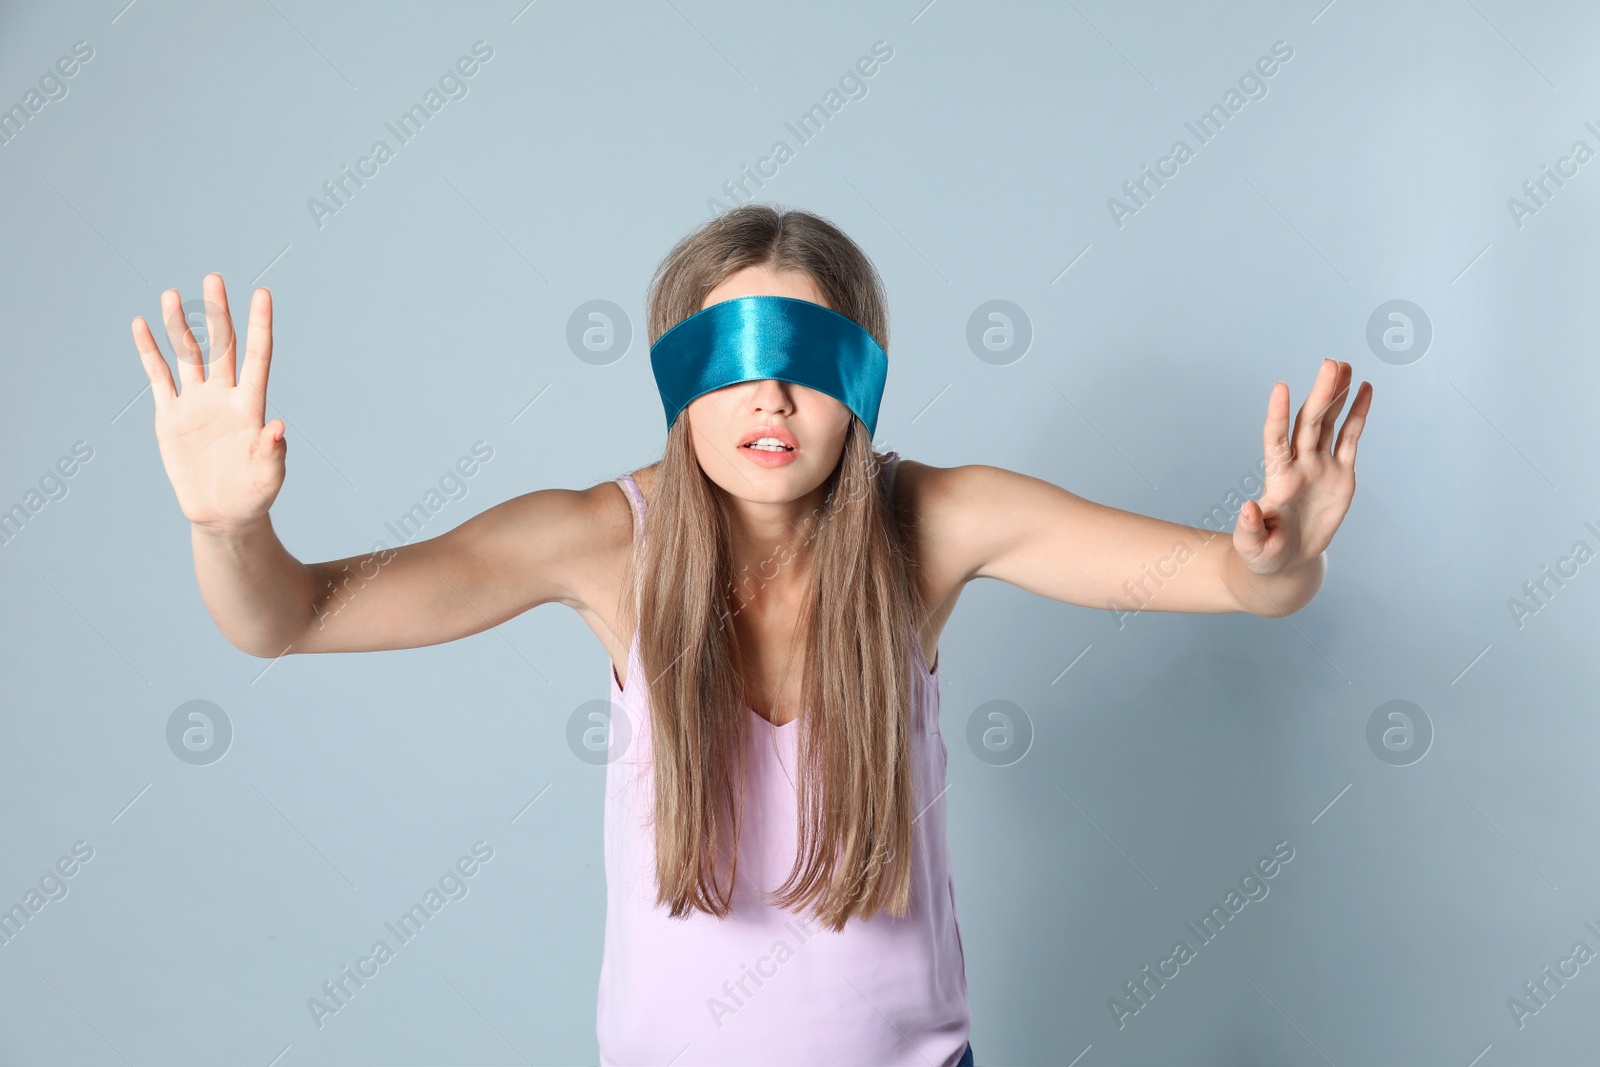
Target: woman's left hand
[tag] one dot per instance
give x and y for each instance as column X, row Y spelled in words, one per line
column 1309, row 480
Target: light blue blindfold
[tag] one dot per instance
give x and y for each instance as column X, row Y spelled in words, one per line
column 756, row 337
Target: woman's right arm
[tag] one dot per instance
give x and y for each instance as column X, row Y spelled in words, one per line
column 226, row 465
column 493, row 567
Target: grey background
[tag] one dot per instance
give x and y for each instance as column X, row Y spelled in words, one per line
column 432, row 312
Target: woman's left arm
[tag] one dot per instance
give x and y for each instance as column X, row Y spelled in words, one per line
column 1040, row 537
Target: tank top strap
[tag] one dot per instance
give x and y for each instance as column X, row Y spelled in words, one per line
column 631, row 487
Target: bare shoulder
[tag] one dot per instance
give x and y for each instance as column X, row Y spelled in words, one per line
column 594, row 547
column 930, row 499
column 924, row 483
column 935, row 496
column 557, row 543
column 599, row 556
column 960, row 513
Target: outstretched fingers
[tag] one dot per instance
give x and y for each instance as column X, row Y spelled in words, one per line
column 219, row 328
column 258, row 349
column 1309, row 420
column 1341, row 393
column 191, row 363
column 1275, row 434
column 1350, row 433
column 155, row 364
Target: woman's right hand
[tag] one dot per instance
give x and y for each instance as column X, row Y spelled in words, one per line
column 224, row 461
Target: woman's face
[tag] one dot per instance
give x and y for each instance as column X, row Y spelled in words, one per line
column 812, row 423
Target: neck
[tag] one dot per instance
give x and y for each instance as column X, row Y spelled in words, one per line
column 772, row 550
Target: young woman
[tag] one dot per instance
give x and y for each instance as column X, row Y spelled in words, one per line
column 771, row 594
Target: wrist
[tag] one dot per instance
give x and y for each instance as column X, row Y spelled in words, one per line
column 231, row 529
column 1282, row 592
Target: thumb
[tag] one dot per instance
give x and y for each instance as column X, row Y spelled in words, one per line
column 1250, row 533
column 270, row 444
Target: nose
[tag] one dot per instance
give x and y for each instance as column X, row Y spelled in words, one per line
column 772, row 394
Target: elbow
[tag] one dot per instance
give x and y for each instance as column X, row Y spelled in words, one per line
column 259, row 651
column 266, row 653
column 261, row 646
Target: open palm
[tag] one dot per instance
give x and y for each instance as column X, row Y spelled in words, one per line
column 226, row 464
column 1310, row 478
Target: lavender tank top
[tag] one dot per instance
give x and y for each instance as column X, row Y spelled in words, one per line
column 765, row 985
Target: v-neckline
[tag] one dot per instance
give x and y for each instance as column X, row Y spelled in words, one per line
column 928, row 675
column 769, row 722
column 633, row 662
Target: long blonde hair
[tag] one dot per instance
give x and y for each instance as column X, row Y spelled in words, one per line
column 855, row 783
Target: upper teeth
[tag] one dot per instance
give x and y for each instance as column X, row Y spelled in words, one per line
column 767, row 442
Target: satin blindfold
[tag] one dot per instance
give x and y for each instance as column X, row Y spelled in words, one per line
column 756, row 337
